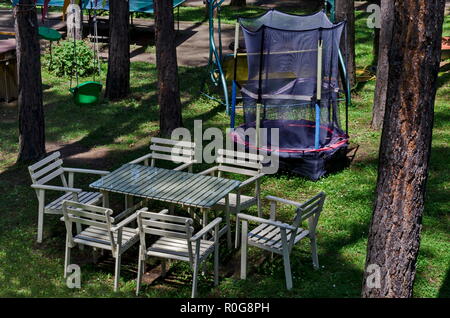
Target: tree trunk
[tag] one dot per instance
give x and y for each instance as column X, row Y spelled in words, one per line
column 405, row 148
column 345, row 10
column 376, row 38
column 31, row 109
column 118, row 78
column 166, row 63
column 379, row 103
column 238, row 3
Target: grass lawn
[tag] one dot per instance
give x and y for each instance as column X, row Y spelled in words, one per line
column 120, row 131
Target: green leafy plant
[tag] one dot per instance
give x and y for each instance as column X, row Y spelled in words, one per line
column 66, row 60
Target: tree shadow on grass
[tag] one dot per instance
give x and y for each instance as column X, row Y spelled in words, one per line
column 444, row 291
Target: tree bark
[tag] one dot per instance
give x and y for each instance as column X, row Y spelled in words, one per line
column 379, row 103
column 345, row 10
column 118, row 78
column 376, row 38
column 166, row 63
column 394, row 234
column 31, row 109
column 238, row 3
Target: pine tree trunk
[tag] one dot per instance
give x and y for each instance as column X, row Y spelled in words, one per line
column 405, row 148
column 118, row 78
column 166, row 63
column 345, row 10
column 376, row 38
column 238, row 3
column 31, row 109
column 379, row 103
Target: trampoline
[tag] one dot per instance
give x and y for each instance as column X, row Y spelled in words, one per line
column 294, row 64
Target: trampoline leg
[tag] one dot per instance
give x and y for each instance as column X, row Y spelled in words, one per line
column 233, row 104
column 317, row 133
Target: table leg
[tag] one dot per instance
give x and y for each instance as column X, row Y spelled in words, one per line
column 129, row 202
column 105, row 202
column 205, row 219
column 227, row 218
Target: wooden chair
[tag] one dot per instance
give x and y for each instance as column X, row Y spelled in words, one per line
column 102, row 231
column 244, row 164
column 177, row 242
column 170, row 150
column 276, row 237
column 50, row 168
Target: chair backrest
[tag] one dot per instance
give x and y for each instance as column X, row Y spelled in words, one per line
column 309, row 210
column 165, row 225
column 48, row 169
column 239, row 162
column 90, row 215
column 172, row 150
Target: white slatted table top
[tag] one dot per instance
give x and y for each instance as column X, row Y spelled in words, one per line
column 166, row 185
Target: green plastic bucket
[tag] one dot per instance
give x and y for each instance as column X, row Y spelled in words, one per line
column 49, row 34
column 87, row 93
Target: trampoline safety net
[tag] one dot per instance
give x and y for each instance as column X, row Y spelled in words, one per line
column 282, row 55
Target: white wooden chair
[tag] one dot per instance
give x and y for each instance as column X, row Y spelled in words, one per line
column 101, row 231
column 244, row 164
column 177, row 242
column 276, row 237
column 50, row 168
column 170, row 150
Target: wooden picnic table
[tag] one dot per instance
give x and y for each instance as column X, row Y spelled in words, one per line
column 175, row 187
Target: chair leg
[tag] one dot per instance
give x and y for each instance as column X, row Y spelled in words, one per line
column 287, row 269
column 163, row 268
column 40, row 220
column 216, row 265
column 141, row 269
column 244, row 241
column 195, row 279
column 117, row 272
column 315, row 258
column 66, row 260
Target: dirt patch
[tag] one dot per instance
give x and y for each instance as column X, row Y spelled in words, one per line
column 74, row 153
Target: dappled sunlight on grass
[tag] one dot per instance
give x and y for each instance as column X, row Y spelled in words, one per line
column 123, row 130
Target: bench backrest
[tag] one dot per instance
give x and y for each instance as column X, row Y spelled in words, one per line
column 309, row 210
column 90, row 215
column 48, row 169
column 164, row 225
column 239, row 162
column 171, row 150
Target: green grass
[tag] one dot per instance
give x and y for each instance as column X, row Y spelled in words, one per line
column 123, row 129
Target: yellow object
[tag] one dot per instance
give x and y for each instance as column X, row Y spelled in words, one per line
column 364, row 75
column 66, row 4
column 241, row 71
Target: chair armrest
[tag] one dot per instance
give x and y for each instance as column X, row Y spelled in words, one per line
column 284, row 201
column 90, row 171
column 185, row 165
column 124, row 222
column 208, row 171
column 140, row 159
column 251, row 180
column 55, row 188
column 265, row 221
column 206, row 229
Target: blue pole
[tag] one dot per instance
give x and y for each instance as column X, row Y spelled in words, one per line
column 233, row 103
column 317, row 133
